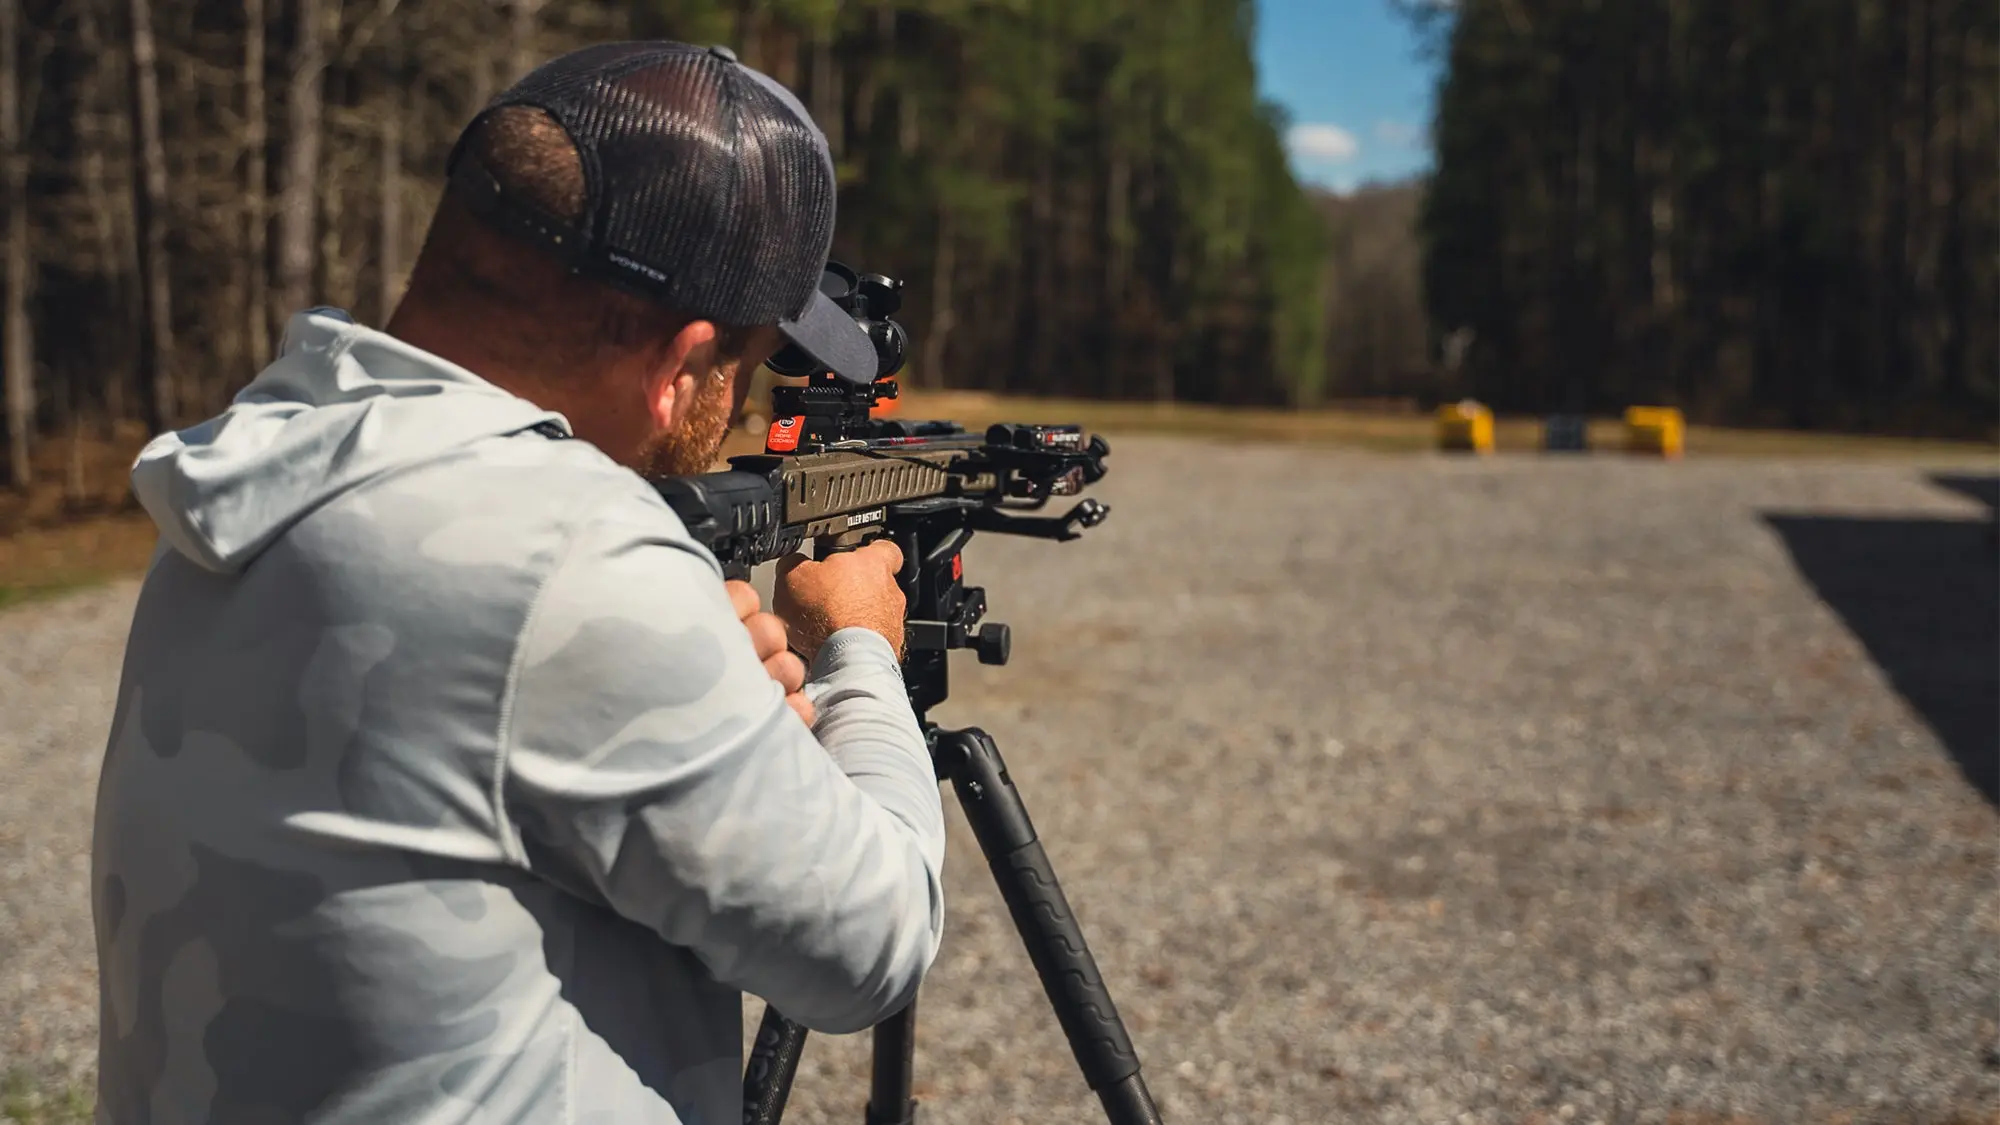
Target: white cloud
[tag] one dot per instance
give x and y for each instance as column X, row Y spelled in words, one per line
column 1397, row 133
column 1322, row 142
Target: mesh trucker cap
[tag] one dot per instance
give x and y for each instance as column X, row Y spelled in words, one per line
column 706, row 186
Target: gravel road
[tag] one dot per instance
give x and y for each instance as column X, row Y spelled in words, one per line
column 1394, row 789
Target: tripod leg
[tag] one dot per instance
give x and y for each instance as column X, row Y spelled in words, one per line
column 1055, row 943
column 774, row 1061
column 891, row 1087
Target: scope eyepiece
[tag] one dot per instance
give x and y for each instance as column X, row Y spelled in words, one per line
column 875, row 297
column 892, row 346
column 871, row 300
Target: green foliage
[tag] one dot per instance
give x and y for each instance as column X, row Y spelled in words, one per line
column 24, row 1101
column 1083, row 196
column 1122, row 219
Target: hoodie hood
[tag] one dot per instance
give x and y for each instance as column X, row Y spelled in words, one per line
column 341, row 405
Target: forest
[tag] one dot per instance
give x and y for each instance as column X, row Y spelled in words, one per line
column 1082, row 197
column 1780, row 213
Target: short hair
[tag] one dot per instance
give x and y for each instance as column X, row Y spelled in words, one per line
column 533, row 304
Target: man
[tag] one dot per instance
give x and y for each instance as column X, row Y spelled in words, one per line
column 449, row 781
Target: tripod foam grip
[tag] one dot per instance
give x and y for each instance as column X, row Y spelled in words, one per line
column 1048, row 929
column 774, row 1062
column 1055, row 942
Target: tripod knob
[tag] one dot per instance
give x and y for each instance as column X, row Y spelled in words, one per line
column 994, row 643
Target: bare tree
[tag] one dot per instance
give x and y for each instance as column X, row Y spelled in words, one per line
column 944, row 310
column 256, row 220
column 826, row 86
column 389, row 242
column 481, row 88
column 106, row 130
column 298, row 210
column 749, row 33
column 521, row 38
column 20, row 354
column 149, row 206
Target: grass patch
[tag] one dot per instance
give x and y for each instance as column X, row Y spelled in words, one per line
column 1405, row 432
column 38, row 563
column 26, row 1102
column 11, row 596
column 77, row 526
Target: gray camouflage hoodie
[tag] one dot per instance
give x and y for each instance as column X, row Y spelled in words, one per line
column 445, row 786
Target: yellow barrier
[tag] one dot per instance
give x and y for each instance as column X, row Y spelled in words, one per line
column 1655, row 430
column 1465, row 427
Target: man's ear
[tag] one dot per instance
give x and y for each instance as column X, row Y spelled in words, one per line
column 670, row 385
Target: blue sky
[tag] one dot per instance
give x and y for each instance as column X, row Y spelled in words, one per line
column 1357, row 87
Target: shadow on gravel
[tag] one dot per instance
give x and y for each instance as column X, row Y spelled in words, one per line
column 1986, row 490
column 1923, row 596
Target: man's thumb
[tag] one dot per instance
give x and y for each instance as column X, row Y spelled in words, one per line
column 891, row 554
column 791, row 563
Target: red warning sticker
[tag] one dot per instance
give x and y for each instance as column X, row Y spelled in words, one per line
column 783, row 437
column 957, row 567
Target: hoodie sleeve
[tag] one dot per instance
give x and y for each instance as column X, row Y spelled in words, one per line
column 653, row 766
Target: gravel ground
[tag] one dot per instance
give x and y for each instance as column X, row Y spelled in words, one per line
column 1394, row 789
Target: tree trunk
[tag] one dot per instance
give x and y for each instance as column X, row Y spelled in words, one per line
column 881, row 44
column 149, row 206
column 481, row 88
column 749, row 34
column 299, row 205
column 389, row 247
column 115, row 248
column 20, row 352
column 1117, row 268
column 1952, row 280
column 826, row 91
column 76, row 487
column 521, row 38
column 256, row 223
column 943, row 314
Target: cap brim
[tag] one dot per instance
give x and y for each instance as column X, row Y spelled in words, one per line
column 827, row 333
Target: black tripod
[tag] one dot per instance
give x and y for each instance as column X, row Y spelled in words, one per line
column 943, row 615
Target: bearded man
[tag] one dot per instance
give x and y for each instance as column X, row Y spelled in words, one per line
column 449, row 781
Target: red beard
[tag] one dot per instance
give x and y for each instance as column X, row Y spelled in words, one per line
column 694, row 447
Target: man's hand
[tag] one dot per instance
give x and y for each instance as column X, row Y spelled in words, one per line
column 847, row 590
column 767, row 633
